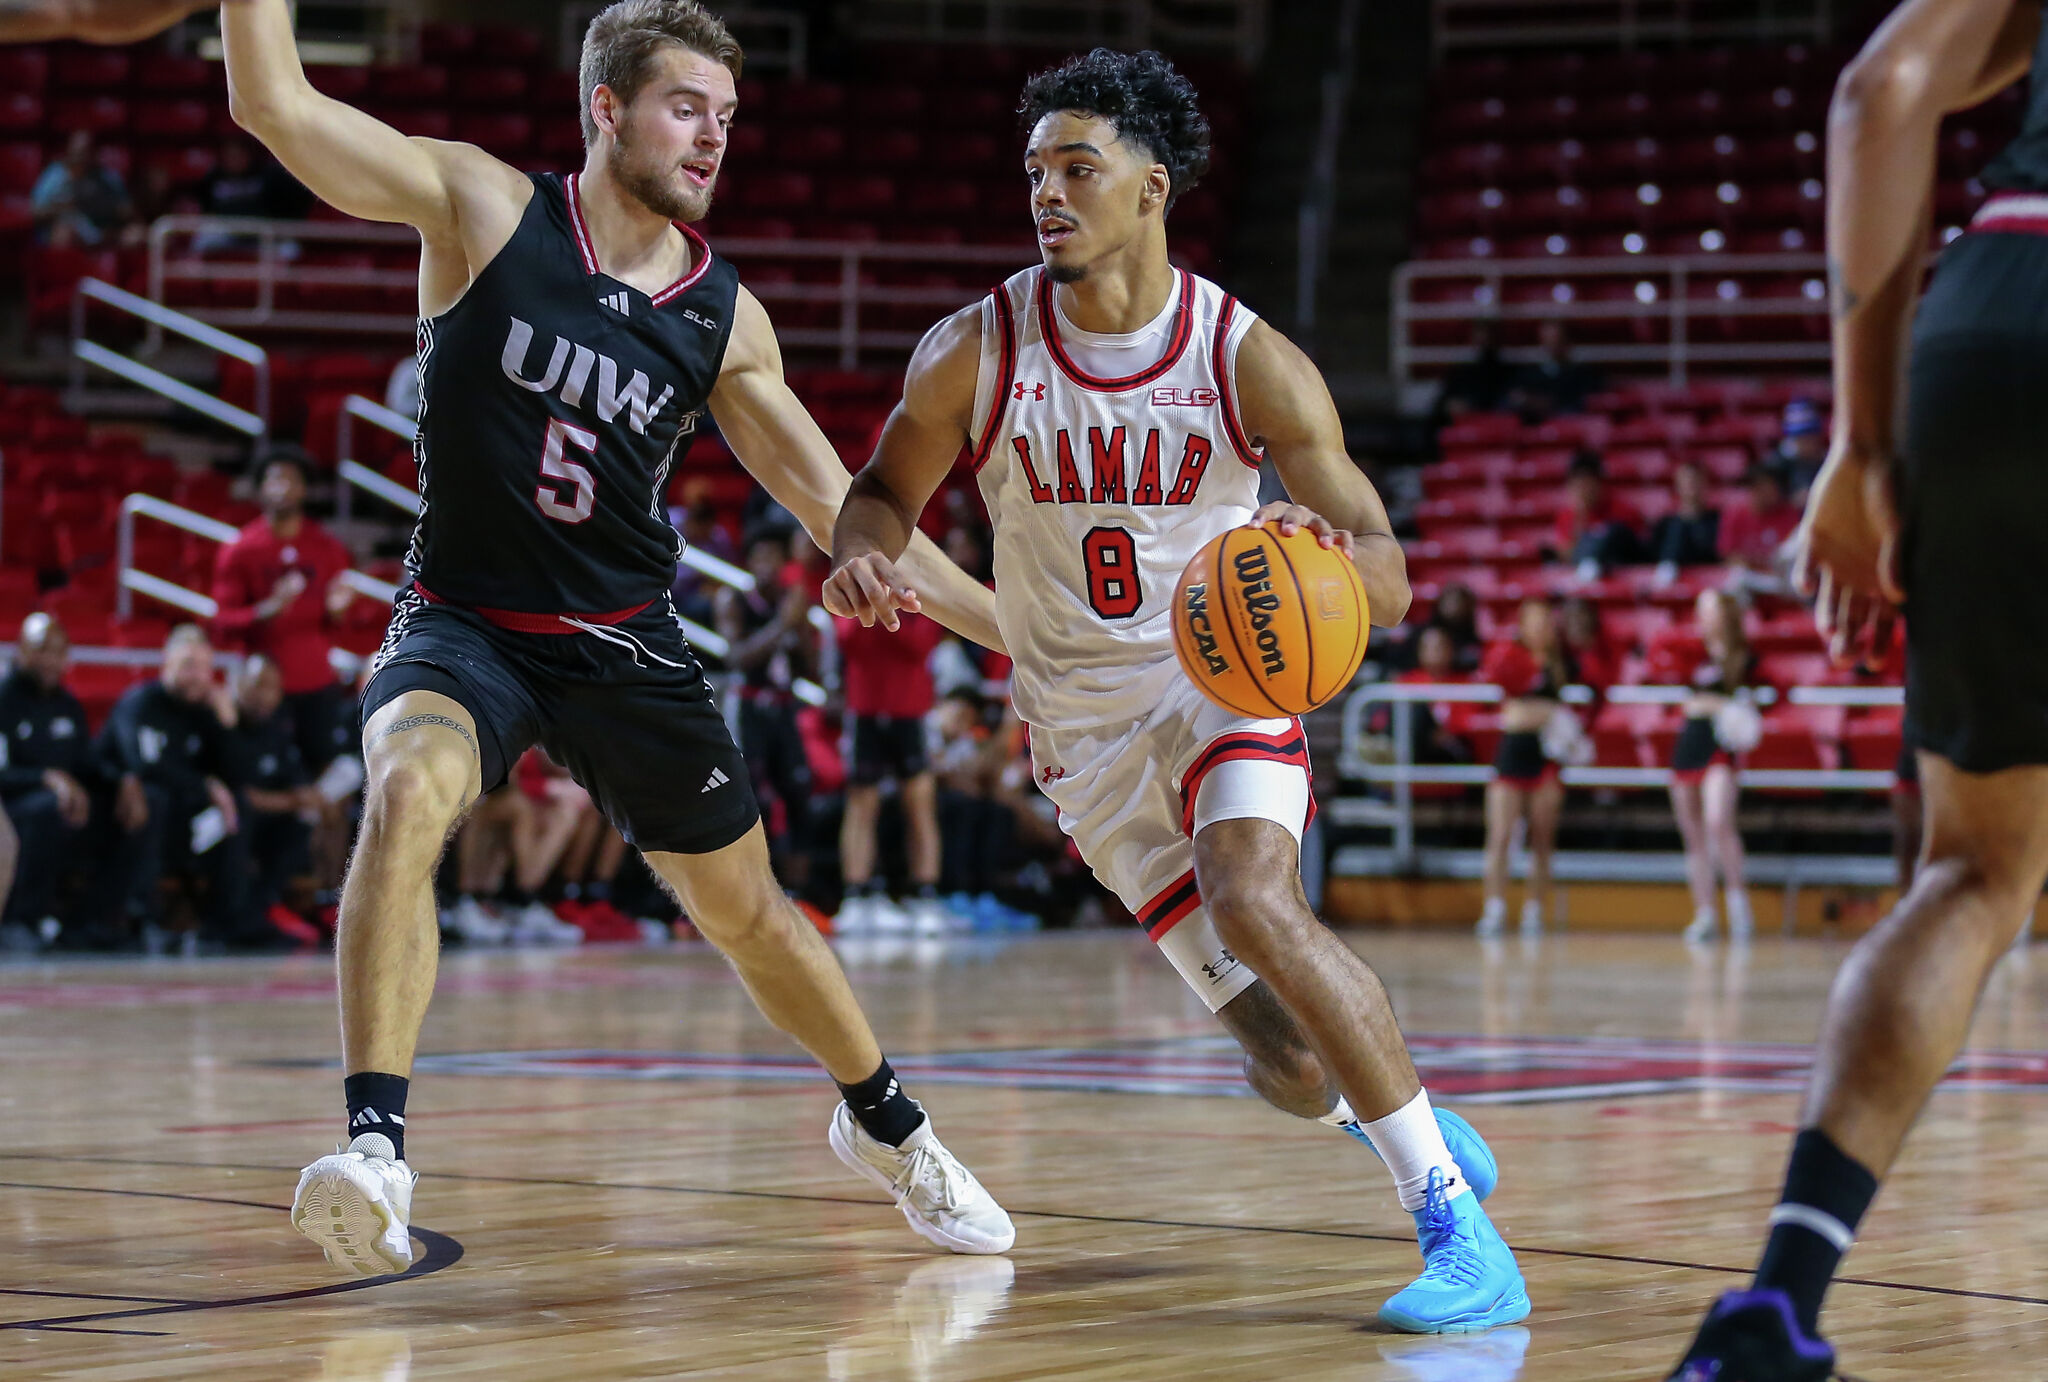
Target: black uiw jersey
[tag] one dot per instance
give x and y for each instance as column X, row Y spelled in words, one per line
column 554, row 401
column 2023, row 165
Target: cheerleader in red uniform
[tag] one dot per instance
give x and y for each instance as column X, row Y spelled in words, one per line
column 1721, row 724
column 1537, row 734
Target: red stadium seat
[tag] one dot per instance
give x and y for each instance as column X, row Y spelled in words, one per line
column 506, row 135
column 806, row 101
column 21, row 163
column 410, row 84
column 490, row 86
column 20, row 112
column 23, row 69
column 88, row 67
column 172, row 121
column 97, row 114
column 175, row 74
column 811, row 146
column 508, row 44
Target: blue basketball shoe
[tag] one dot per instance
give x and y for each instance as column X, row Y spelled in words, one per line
column 1467, row 1148
column 1469, row 1278
column 1753, row 1336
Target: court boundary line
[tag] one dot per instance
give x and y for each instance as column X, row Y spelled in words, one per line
column 442, row 1251
column 1572, row 1254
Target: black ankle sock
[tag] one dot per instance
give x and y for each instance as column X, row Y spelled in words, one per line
column 927, row 892
column 872, row 887
column 376, row 1103
column 1830, row 1192
column 881, row 1107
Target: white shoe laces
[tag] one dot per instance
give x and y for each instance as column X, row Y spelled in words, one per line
column 934, row 1178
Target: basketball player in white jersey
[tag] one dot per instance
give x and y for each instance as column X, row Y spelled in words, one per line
column 1117, row 411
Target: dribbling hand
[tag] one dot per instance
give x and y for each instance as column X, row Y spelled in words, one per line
column 1292, row 518
column 870, row 588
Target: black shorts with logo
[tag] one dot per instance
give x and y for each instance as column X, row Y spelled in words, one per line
column 884, row 746
column 626, row 710
column 1974, row 497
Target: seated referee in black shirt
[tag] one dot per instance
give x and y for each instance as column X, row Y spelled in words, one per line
column 279, row 803
column 47, row 773
column 165, row 746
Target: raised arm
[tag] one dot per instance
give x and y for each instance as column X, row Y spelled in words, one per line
column 95, row 21
column 1287, row 411
column 351, row 161
column 1929, row 58
column 919, row 444
column 779, row 443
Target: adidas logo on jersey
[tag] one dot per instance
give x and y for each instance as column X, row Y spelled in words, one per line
column 718, row 779
column 618, row 303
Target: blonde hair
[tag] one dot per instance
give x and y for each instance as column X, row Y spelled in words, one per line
column 621, row 45
column 186, row 636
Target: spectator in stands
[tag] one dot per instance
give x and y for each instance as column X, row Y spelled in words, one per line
column 1586, row 639
column 280, row 806
column 766, row 630
column 1479, row 384
column 1595, row 531
column 1438, row 729
column 1555, row 383
column 701, row 532
column 1690, row 534
column 1538, row 736
column 986, row 818
column 1720, row 726
column 402, row 387
column 165, row 746
column 508, row 851
column 281, row 593
column 46, row 772
column 888, row 691
column 78, row 200
column 1802, row 445
column 246, row 181
column 1755, row 531
column 1456, row 612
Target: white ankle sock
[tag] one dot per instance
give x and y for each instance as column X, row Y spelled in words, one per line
column 1340, row 1116
column 1412, row 1145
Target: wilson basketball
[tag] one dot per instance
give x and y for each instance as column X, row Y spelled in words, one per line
column 1267, row 625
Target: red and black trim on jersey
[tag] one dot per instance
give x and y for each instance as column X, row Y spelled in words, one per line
column 700, row 252
column 1006, row 372
column 525, row 621
column 1171, row 906
column 1290, row 747
column 1219, row 365
column 1176, row 344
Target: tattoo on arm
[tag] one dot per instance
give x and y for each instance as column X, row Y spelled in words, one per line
column 1843, row 299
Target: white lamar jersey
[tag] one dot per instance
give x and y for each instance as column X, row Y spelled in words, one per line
column 1101, row 488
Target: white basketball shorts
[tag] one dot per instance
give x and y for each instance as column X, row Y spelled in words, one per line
column 1132, row 795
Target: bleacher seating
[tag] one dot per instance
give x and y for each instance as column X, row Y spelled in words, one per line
column 1684, row 151
column 1487, row 515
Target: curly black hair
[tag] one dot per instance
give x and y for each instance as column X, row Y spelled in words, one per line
column 1141, row 95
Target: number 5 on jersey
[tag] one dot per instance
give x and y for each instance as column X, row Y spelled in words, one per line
column 573, row 505
column 1110, row 556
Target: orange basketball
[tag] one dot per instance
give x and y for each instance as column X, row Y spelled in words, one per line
column 1267, row 625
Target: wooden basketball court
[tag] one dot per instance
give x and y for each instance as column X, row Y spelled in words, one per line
column 624, row 1174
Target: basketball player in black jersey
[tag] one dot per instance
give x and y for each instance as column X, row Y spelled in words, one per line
column 1945, row 521
column 573, row 333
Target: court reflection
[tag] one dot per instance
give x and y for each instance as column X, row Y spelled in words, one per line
column 1495, row 1356
column 382, row 1356
column 939, row 1308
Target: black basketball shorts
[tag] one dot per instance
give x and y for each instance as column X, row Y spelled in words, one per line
column 1974, row 496
column 884, row 746
column 627, row 712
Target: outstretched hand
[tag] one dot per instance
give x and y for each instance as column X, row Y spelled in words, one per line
column 870, row 588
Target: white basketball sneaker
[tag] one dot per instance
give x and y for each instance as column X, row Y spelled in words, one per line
column 356, row 1205
column 940, row 1198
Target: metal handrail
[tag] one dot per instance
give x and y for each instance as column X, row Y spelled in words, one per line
column 1626, row 22
column 272, row 267
column 161, row 318
column 1404, row 773
column 1673, row 305
column 131, row 581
